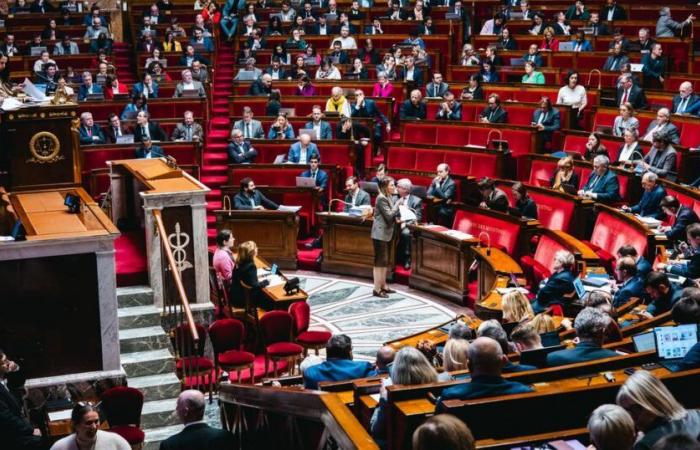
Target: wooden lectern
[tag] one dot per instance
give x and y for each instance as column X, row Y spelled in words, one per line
column 139, row 186
column 41, row 147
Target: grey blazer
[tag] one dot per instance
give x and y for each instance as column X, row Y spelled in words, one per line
column 197, row 85
column 180, row 132
column 361, row 199
column 665, row 164
column 385, row 214
column 256, row 129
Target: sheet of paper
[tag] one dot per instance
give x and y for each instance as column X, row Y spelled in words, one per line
column 406, row 214
column 289, row 208
column 649, row 221
column 503, row 291
column 458, row 234
column 31, row 90
column 63, row 414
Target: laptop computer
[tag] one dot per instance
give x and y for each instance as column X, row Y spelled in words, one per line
column 517, row 62
column 550, row 339
column 644, row 342
column 125, row 139
column 309, row 131
column 672, row 343
column 190, row 93
column 36, row 51
column 567, row 46
column 279, row 159
column 305, row 182
column 604, row 129
column 580, row 289
column 246, row 75
column 96, row 96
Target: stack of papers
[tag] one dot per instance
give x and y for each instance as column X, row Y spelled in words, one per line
column 506, row 290
column 406, row 214
column 458, row 235
column 289, row 208
column 649, row 221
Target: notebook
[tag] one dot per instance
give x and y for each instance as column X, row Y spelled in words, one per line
column 672, row 343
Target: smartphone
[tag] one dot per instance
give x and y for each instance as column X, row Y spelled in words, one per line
column 273, row 269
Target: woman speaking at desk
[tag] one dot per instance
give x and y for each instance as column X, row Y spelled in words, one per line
column 247, row 272
column 385, row 214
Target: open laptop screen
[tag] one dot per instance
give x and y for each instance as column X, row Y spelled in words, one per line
column 674, row 342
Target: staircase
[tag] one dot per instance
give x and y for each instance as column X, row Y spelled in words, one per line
column 215, row 159
column 148, row 362
column 123, row 61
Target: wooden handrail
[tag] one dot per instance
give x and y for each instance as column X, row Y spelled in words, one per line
column 176, row 274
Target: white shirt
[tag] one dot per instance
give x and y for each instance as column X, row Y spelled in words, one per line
column 611, row 13
column 346, row 43
column 409, row 74
column 302, row 155
column 626, row 153
column 575, row 97
column 104, row 441
column 317, row 130
column 187, row 85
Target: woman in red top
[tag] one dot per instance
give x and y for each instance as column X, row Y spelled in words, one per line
column 549, row 43
column 211, row 13
column 113, row 87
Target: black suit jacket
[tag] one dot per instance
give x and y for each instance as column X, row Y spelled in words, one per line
column 14, row 428
column 156, row 132
column 199, row 436
column 637, row 97
column 685, row 217
column 111, row 136
column 499, row 115
column 242, row 201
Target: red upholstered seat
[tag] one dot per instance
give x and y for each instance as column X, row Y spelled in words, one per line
column 133, row 435
column 236, row 358
column 503, row 233
column 122, row 405
column 301, row 313
column 284, row 349
column 556, row 310
column 314, row 337
column 198, row 363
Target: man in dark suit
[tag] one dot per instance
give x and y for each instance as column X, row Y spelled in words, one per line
column 147, row 150
column 196, row 435
column 590, row 326
column 144, row 127
column 685, row 98
column 275, row 70
column 628, row 92
column 654, row 67
column 494, row 330
column 486, row 362
column 611, row 12
column 494, row 113
column 645, row 42
column 115, row 129
column 90, row 133
column 262, row 86
column 559, row 288
column 339, row 364
column 450, row 109
column 320, row 178
column 546, row 119
column 602, row 185
column 354, row 195
column 690, row 267
column 249, row 198
column 492, row 197
column 411, row 73
column 322, row 129
column 616, row 60
column 650, row 203
column 662, row 293
column 662, row 125
column 533, row 54
column 442, row 192
column 17, row 433
column 630, row 284
column 643, row 266
column 88, row 87
column 437, row 87
column 414, row 108
column 415, row 204
column 363, row 107
column 239, row 150
column 188, row 130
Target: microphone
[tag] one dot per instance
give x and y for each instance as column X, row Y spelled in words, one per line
column 488, row 242
column 226, row 201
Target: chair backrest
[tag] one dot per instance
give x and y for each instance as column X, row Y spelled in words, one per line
column 226, row 334
column 301, row 313
column 276, row 326
column 122, row 406
column 218, row 293
column 183, row 342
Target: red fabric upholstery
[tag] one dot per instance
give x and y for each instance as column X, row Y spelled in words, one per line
column 226, row 334
column 236, row 358
column 301, row 313
column 132, row 435
column 122, row 405
column 276, row 326
column 314, row 337
column 281, row 349
column 556, row 310
column 610, row 233
column 198, row 363
column 184, row 341
column 503, row 233
column 544, row 254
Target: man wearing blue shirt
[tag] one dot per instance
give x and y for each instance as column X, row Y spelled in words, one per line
column 339, row 364
column 302, row 151
column 486, row 362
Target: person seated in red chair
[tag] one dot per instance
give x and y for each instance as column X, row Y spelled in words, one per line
column 86, row 423
column 339, row 364
column 590, row 325
column 523, row 204
column 680, row 215
column 414, row 108
column 688, row 265
column 643, row 266
column 629, row 284
column 449, row 109
column 565, row 179
column 114, row 87
column 492, row 197
column 320, row 178
column 494, row 113
column 687, row 312
column 250, row 198
column 115, row 129
column 90, row 132
column 17, row 432
column 559, row 288
column 442, row 191
column 196, row 435
column 650, row 203
column 546, row 119
column 602, row 185
column 661, row 159
column 493, row 329
column 354, row 195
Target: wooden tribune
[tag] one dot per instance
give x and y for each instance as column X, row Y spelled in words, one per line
column 275, row 232
column 347, row 245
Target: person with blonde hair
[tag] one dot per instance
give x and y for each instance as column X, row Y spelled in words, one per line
column 654, row 410
column 455, row 356
column 565, row 179
column 443, row 432
column 516, row 307
column 611, row 428
column 246, row 272
column 544, row 323
column 410, row 367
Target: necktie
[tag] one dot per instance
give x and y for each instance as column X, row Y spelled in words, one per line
column 313, row 175
column 247, row 130
column 490, row 116
column 683, row 104
column 595, row 30
column 144, row 131
column 117, row 131
column 189, row 132
column 614, row 64
column 89, row 130
column 626, row 96
column 578, row 47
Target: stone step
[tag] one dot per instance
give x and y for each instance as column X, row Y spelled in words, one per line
column 134, row 296
column 159, row 413
column 157, row 387
column 138, row 316
column 142, row 339
column 152, row 362
column 154, row 436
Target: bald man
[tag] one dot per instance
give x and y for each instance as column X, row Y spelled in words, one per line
column 486, row 362
column 385, row 358
column 684, row 99
column 196, row 435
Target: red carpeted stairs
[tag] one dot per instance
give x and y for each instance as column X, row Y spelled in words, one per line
column 122, row 58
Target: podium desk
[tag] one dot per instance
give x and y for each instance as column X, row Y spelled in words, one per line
column 274, row 232
column 347, row 245
column 140, row 186
column 439, row 262
column 276, row 294
column 58, row 287
column 495, row 268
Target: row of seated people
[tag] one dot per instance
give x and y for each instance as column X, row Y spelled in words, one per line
column 116, row 132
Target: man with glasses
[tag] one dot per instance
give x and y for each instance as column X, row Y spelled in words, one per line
column 239, row 150
column 602, row 185
column 494, row 113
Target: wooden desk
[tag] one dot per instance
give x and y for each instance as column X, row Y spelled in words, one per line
column 439, row 262
column 495, row 267
column 435, row 334
column 276, row 294
column 275, row 232
column 347, row 245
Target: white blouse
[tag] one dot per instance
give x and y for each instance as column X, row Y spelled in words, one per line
column 575, row 97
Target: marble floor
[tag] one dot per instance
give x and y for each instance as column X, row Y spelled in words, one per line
column 343, row 305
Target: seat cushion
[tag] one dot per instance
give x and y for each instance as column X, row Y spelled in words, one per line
column 313, row 337
column 284, row 349
column 195, row 362
column 133, row 435
column 236, row 358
